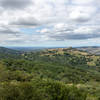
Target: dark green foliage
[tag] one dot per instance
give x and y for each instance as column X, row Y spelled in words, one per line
column 40, row 90
column 65, row 73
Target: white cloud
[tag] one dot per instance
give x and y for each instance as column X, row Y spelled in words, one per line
column 82, row 1
column 51, row 19
column 64, row 32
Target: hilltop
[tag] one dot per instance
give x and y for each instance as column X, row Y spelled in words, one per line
column 91, row 49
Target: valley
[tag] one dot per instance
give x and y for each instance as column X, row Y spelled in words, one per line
column 53, row 67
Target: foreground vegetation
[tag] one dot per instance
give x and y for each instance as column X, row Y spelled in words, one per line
column 53, row 74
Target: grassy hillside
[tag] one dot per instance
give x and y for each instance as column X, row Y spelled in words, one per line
column 92, row 49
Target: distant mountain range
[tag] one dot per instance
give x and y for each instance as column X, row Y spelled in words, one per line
column 90, row 49
column 18, row 50
column 26, row 49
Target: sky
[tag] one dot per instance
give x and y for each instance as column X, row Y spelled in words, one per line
column 50, row 23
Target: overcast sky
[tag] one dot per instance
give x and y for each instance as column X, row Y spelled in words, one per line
column 49, row 22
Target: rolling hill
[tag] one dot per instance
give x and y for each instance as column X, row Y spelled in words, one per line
column 92, row 49
column 9, row 53
column 56, row 67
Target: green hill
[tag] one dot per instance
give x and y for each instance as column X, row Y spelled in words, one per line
column 9, row 53
column 59, row 74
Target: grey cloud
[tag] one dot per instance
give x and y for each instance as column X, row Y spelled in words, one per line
column 14, row 41
column 74, row 36
column 14, row 4
column 29, row 21
column 82, row 36
column 82, row 19
column 83, row 33
column 9, row 31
